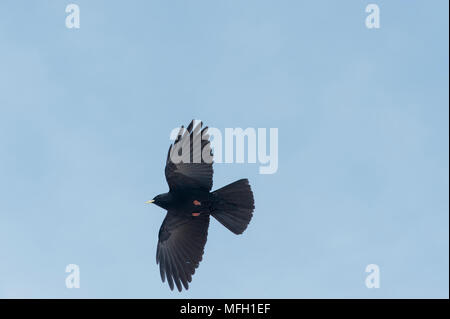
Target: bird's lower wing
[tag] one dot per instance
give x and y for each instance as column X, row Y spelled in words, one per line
column 180, row 247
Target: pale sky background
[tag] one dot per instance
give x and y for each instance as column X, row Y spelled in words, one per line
column 363, row 119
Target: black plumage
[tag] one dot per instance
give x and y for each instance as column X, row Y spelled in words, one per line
column 190, row 203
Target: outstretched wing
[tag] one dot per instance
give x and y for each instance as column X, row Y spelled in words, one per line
column 189, row 160
column 180, row 248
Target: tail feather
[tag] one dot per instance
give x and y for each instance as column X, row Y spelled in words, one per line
column 234, row 206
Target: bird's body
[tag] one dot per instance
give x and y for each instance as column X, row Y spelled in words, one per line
column 190, row 203
column 187, row 202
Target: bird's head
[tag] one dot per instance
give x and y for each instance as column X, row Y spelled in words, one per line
column 162, row 200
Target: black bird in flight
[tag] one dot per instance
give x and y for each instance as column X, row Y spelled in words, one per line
column 190, row 202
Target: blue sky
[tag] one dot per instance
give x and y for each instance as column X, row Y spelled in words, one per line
column 363, row 177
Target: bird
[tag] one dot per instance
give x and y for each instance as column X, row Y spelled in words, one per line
column 190, row 203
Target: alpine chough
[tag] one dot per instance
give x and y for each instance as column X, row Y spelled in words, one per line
column 190, row 203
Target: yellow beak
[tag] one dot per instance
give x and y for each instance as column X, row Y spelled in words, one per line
column 150, row 201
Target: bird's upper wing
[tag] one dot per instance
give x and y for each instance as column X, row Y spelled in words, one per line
column 180, row 247
column 189, row 160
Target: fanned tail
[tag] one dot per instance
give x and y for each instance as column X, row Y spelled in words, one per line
column 234, row 206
